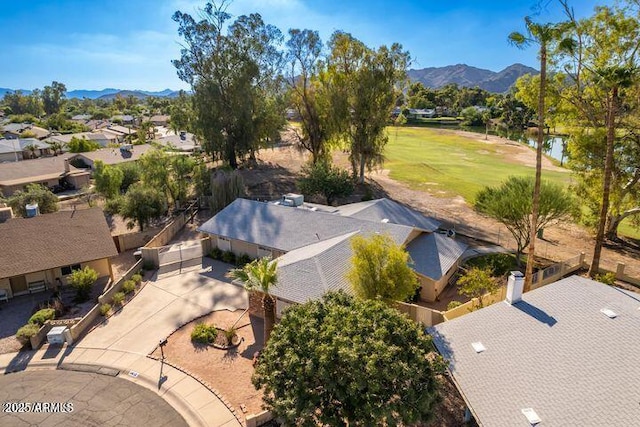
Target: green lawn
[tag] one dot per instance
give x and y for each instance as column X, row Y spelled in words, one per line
column 448, row 165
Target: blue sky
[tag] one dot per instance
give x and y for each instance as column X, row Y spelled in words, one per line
column 128, row 44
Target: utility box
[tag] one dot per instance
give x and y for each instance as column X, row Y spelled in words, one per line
column 56, row 335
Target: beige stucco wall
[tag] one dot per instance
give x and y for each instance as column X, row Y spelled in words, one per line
column 78, row 181
column 10, row 157
column 8, row 190
column 428, row 292
column 100, row 265
column 5, row 284
column 36, row 277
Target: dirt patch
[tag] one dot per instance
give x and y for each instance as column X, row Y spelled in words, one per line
column 229, row 371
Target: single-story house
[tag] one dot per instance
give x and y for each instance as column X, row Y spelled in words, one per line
column 14, row 130
column 94, row 124
column 14, row 150
column 160, row 119
column 565, row 354
column 53, row 172
column 99, row 137
column 41, row 252
column 124, row 118
column 81, row 118
column 185, row 141
column 113, row 156
column 312, row 242
column 120, row 133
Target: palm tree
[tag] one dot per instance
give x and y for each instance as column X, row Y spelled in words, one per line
column 56, row 147
column 260, row 275
column 543, row 35
column 612, row 79
column 31, row 148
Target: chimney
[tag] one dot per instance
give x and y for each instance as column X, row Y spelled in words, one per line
column 67, row 169
column 515, row 285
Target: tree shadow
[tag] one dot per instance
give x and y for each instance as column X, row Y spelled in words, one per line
column 20, row 361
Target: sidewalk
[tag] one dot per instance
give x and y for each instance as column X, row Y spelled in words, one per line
column 196, row 403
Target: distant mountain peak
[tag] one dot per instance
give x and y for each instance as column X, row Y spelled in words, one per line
column 469, row 76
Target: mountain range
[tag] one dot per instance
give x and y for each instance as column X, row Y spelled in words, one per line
column 108, row 93
column 466, row 75
column 433, row 77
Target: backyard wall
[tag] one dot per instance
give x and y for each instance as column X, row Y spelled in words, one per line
column 426, row 316
column 127, row 241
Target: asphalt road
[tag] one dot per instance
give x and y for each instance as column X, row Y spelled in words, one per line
column 80, row 399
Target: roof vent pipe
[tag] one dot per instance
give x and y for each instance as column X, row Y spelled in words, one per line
column 515, row 285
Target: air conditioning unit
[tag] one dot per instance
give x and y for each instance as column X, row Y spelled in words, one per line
column 292, row 199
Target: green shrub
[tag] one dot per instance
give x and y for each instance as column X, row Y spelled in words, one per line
column 82, row 281
column 137, row 278
column 242, row 260
column 41, row 316
column 453, row 304
column 216, row 253
column 204, row 334
column 118, row 298
column 230, row 334
column 128, row 286
column 607, row 278
column 229, row 257
column 26, row 332
column 498, row 264
column 105, row 309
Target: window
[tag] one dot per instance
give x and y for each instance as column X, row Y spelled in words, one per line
column 69, row 269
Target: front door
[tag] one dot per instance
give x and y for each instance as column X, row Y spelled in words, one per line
column 18, row 285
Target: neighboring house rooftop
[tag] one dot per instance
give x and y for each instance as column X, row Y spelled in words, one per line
column 18, row 128
column 92, row 136
column 53, row 240
column 21, row 144
column 434, row 254
column 35, row 170
column 180, row 143
column 81, row 117
column 112, row 156
column 554, row 352
column 287, row 228
column 120, row 129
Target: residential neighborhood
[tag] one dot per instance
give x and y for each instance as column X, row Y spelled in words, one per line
column 297, row 214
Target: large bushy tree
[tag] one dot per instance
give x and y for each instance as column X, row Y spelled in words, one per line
column 602, row 86
column 510, row 203
column 231, row 70
column 33, row 193
column 380, row 269
column 342, row 361
column 108, row 179
column 141, row 204
column 366, row 85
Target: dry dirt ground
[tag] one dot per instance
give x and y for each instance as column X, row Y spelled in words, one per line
column 228, row 371
column 279, row 168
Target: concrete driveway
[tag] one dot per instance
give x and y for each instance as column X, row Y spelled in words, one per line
column 165, row 304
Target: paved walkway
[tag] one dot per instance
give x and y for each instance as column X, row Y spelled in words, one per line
column 164, row 305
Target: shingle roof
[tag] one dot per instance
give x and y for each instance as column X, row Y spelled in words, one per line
column 308, row 273
column 554, row 352
column 187, row 144
column 394, row 212
column 434, row 254
column 111, row 156
column 34, row 170
column 287, row 228
column 54, row 240
column 20, row 144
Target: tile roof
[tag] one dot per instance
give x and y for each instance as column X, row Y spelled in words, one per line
column 287, row 228
column 54, row 240
column 394, row 212
column 35, row 170
column 434, row 254
column 554, row 352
